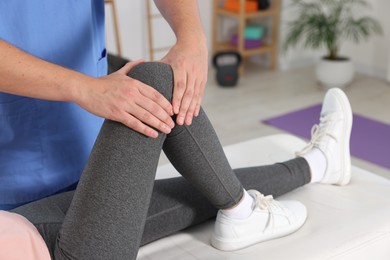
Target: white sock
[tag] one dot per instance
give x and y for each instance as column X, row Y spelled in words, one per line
column 317, row 163
column 242, row 210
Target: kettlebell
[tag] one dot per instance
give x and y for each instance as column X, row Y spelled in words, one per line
column 263, row 4
column 227, row 64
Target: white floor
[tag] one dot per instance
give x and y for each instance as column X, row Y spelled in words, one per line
column 332, row 229
column 236, row 113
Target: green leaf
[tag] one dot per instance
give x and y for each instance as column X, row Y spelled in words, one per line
column 327, row 23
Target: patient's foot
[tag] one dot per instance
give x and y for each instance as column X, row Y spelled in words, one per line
column 269, row 219
column 331, row 138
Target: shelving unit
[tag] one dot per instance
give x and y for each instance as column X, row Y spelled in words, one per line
column 242, row 19
column 150, row 17
column 116, row 27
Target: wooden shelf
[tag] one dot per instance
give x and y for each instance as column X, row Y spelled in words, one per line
column 150, row 18
column 242, row 19
column 251, row 15
column 246, row 52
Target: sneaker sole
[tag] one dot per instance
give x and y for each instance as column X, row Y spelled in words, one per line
column 346, row 159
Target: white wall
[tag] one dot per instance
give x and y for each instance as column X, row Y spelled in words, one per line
column 130, row 14
column 298, row 57
column 370, row 57
column 133, row 27
column 388, row 69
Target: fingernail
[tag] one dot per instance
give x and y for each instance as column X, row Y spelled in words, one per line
column 153, row 134
column 172, row 124
column 180, row 120
column 167, row 129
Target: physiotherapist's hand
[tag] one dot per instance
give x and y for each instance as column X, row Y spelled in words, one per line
column 120, row 98
column 190, row 66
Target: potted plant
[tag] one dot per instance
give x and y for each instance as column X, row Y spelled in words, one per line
column 328, row 23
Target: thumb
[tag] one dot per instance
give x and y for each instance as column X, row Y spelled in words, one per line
column 126, row 69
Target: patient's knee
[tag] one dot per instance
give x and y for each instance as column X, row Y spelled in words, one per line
column 155, row 74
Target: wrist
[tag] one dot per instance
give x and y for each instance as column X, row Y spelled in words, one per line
column 77, row 87
column 198, row 38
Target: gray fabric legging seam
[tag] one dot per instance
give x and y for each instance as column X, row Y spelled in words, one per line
column 164, row 212
column 214, row 171
column 191, row 161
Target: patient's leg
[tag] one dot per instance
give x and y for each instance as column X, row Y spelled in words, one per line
column 108, row 211
column 175, row 203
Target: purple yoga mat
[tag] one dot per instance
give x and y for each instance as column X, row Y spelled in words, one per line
column 370, row 139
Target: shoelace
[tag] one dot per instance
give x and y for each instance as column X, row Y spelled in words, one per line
column 268, row 203
column 317, row 132
column 265, row 203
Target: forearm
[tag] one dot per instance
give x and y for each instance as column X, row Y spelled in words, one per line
column 116, row 97
column 183, row 17
column 25, row 75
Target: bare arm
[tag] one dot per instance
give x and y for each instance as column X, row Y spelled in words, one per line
column 25, row 75
column 183, row 17
column 115, row 97
column 188, row 57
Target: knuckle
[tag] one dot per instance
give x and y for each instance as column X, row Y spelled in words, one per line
column 179, row 64
column 157, row 96
column 144, row 129
column 190, row 111
column 155, row 109
column 189, row 94
column 138, row 126
column 161, row 126
column 167, row 106
column 183, row 109
column 168, row 120
column 176, row 98
column 130, row 92
column 146, row 116
column 181, row 85
column 130, row 122
column 115, row 114
column 192, row 107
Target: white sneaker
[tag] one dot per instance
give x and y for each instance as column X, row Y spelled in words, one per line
column 270, row 219
column 332, row 137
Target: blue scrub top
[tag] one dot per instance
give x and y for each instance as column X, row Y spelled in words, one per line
column 44, row 145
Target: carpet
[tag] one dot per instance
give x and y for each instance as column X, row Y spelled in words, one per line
column 370, row 139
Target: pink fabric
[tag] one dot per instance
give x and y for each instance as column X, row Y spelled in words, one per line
column 19, row 239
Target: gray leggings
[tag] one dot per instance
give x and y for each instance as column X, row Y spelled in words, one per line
column 119, row 206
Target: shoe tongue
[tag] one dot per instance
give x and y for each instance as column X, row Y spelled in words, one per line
column 253, row 205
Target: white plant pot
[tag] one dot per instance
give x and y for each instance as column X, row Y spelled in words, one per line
column 335, row 73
